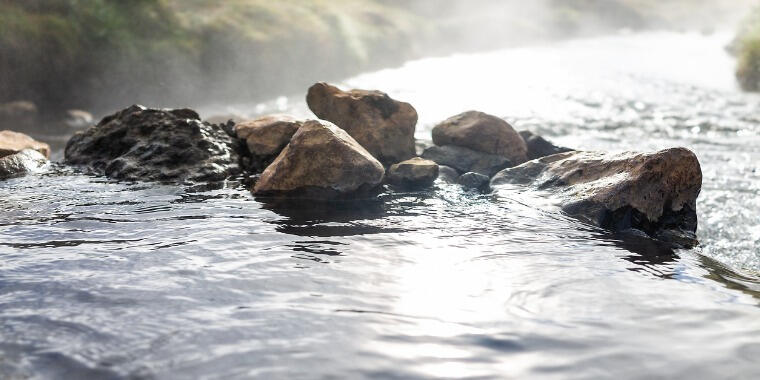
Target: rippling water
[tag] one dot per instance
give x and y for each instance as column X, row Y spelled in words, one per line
column 113, row 280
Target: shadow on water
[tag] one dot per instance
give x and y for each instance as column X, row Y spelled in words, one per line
column 730, row 278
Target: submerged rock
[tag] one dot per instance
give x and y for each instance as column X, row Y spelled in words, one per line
column 475, row 181
column 481, row 132
column 466, row 160
column 14, row 142
column 540, row 147
column 414, row 173
column 321, row 161
column 21, row 163
column 139, row 143
column 267, row 136
column 652, row 192
column 382, row 125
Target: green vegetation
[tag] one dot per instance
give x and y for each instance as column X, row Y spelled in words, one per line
column 746, row 47
column 101, row 54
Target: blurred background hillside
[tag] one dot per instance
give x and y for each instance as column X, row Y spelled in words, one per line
column 102, row 54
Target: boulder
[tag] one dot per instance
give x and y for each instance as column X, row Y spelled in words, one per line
column 414, row 173
column 383, row 126
column 139, row 143
column 651, row 192
column 21, row 163
column 14, row 142
column 321, row 161
column 466, row 160
column 474, row 181
column 481, row 132
column 539, row 147
column 267, row 136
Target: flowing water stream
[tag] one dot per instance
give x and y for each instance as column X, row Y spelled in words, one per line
column 100, row 279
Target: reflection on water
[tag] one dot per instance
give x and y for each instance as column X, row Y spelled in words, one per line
column 100, row 279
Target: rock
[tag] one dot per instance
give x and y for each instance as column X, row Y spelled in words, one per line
column 383, row 126
column 466, row 160
column 18, row 114
column 321, row 161
column 415, row 173
column 539, row 147
column 139, row 143
column 447, row 174
column 267, row 136
column 652, row 192
column 21, row 163
column 475, row 181
column 78, row 119
column 481, row 132
column 14, row 142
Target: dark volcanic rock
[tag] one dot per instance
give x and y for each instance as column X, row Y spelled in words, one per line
column 466, row 160
column 540, row 147
column 382, row 125
column 321, row 161
column 652, row 192
column 21, row 163
column 413, row 173
column 472, row 180
column 481, row 132
column 138, row 143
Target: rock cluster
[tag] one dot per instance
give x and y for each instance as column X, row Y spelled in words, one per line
column 139, row 143
column 363, row 133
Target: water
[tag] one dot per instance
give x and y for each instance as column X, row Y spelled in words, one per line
column 100, row 279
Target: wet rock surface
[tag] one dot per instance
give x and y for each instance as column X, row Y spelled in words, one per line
column 14, row 142
column 447, row 174
column 139, row 143
column 473, row 181
column 413, row 173
column 321, row 161
column 266, row 137
column 21, row 163
column 540, row 147
column 481, row 132
column 382, row 125
column 651, row 192
column 466, row 160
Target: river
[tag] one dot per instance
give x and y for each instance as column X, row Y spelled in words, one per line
column 100, row 279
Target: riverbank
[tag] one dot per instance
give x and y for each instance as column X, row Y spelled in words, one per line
column 100, row 55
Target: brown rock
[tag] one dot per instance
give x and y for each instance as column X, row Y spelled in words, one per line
column 483, row 133
column 652, row 192
column 267, row 136
column 320, row 161
column 383, row 126
column 14, row 142
column 414, row 172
